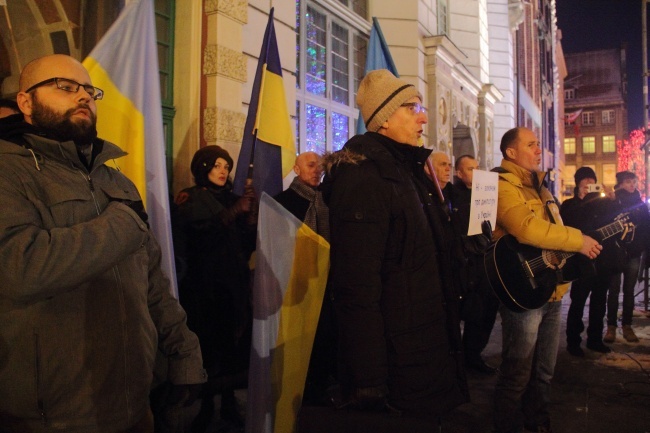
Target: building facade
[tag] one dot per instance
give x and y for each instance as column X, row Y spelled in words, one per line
column 482, row 66
column 595, row 95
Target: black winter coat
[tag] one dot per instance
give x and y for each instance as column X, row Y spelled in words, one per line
column 398, row 324
column 215, row 288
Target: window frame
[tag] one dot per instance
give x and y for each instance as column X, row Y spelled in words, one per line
column 613, row 143
column 569, row 141
column 167, row 104
column 341, row 15
column 611, row 117
column 592, row 140
column 587, row 118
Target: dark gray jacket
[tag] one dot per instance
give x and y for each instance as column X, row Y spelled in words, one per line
column 84, row 304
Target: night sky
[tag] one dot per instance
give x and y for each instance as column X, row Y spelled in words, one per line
column 589, row 25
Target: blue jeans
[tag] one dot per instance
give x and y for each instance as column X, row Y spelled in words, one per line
column 630, row 274
column 523, row 389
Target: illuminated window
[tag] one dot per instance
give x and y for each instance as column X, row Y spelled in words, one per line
column 569, row 146
column 609, row 174
column 588, row 118
column 609, row 143
column 588, row 144
column 330, row 58
column 608, row 117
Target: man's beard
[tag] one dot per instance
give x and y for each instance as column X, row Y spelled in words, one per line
column 61, row 126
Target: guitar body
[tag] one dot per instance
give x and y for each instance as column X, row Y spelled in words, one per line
column 508, row 270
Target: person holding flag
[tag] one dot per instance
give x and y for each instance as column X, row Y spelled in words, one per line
column 84, row 302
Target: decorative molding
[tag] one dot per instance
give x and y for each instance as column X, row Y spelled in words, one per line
column 223, row 125
column 219, row 60
column 235, row 9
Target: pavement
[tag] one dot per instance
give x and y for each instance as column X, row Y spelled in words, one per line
column 600, row 393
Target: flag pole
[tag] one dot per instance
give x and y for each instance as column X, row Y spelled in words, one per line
column 11, row 33
column 251, row 164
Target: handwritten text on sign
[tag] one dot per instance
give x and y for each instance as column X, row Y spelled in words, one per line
column 483, row 207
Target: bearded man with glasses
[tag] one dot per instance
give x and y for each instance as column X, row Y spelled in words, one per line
column 84, row 304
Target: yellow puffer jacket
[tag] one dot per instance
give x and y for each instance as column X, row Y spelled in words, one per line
column 522, row 213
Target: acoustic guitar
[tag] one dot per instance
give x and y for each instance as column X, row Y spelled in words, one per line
column 524, row 277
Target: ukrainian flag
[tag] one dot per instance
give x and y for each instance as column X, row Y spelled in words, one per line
column 378, row 57
column 125, row 65
column 268, row 148
column 290, row 278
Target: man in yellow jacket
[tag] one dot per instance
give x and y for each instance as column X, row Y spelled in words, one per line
column 528, row 211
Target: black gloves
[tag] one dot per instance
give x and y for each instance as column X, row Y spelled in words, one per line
column 246, row 204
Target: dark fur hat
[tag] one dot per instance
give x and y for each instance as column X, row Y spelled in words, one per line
column 203, row 161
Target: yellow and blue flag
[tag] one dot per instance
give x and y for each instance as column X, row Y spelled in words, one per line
column 268, row 149
column 290, row 276
column 377, row 57
column 125, row 65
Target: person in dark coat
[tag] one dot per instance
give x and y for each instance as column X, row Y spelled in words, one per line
column 214, row 236
column 479, row 305
column 305, row 201
column 589, row 211
column 629, row 200
column 399, row 334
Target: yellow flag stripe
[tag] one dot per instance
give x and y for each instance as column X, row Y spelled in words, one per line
column 120, row 122
column 273, row 121
column 298, row 321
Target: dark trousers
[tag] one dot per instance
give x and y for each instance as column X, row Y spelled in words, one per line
column 581, row 289
column 478, row 325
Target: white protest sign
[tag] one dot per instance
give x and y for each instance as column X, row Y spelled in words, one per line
column 485, row 192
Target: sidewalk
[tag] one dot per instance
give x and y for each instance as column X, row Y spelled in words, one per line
column 600, row 393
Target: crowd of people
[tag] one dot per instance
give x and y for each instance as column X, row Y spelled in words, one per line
column 92, row 339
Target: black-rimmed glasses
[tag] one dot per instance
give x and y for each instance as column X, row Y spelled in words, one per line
column 70, row 86
column 415, row 107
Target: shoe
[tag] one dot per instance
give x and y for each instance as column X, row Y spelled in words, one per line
column 476, row 363
column 629, row 334
column 575, row 350
column 610, row 335
column 598, row 346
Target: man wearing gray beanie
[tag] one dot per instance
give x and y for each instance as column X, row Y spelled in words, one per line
column 399, row 334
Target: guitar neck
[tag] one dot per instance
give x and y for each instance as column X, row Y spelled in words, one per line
column 610, row 230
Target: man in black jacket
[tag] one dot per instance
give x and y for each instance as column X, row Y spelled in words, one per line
column 479, row 306
column 589, row 211
column 399, row 336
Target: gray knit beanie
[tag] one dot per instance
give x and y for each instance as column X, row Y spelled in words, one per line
column 380, row 94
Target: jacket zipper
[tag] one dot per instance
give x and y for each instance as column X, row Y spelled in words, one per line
column 39, row 397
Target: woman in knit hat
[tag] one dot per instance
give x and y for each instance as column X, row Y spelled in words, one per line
column 214, row 236
column 399, row 334
column 630, row 201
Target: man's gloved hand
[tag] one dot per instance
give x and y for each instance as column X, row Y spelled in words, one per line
column 137, row 207
column 184, row 395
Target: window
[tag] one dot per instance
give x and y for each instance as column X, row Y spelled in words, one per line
column 588, row 118
column 609, row 174
column 360, row 7
column 443, row 17
column 569, row 94
column 568, row 175
column 608, row 117
column 569, row 146
column 588, row 144
column 331, row 55
column 165, row 39
column 609, row 143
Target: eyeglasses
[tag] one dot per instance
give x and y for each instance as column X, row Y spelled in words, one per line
column 415, row 107
column 71, row 86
